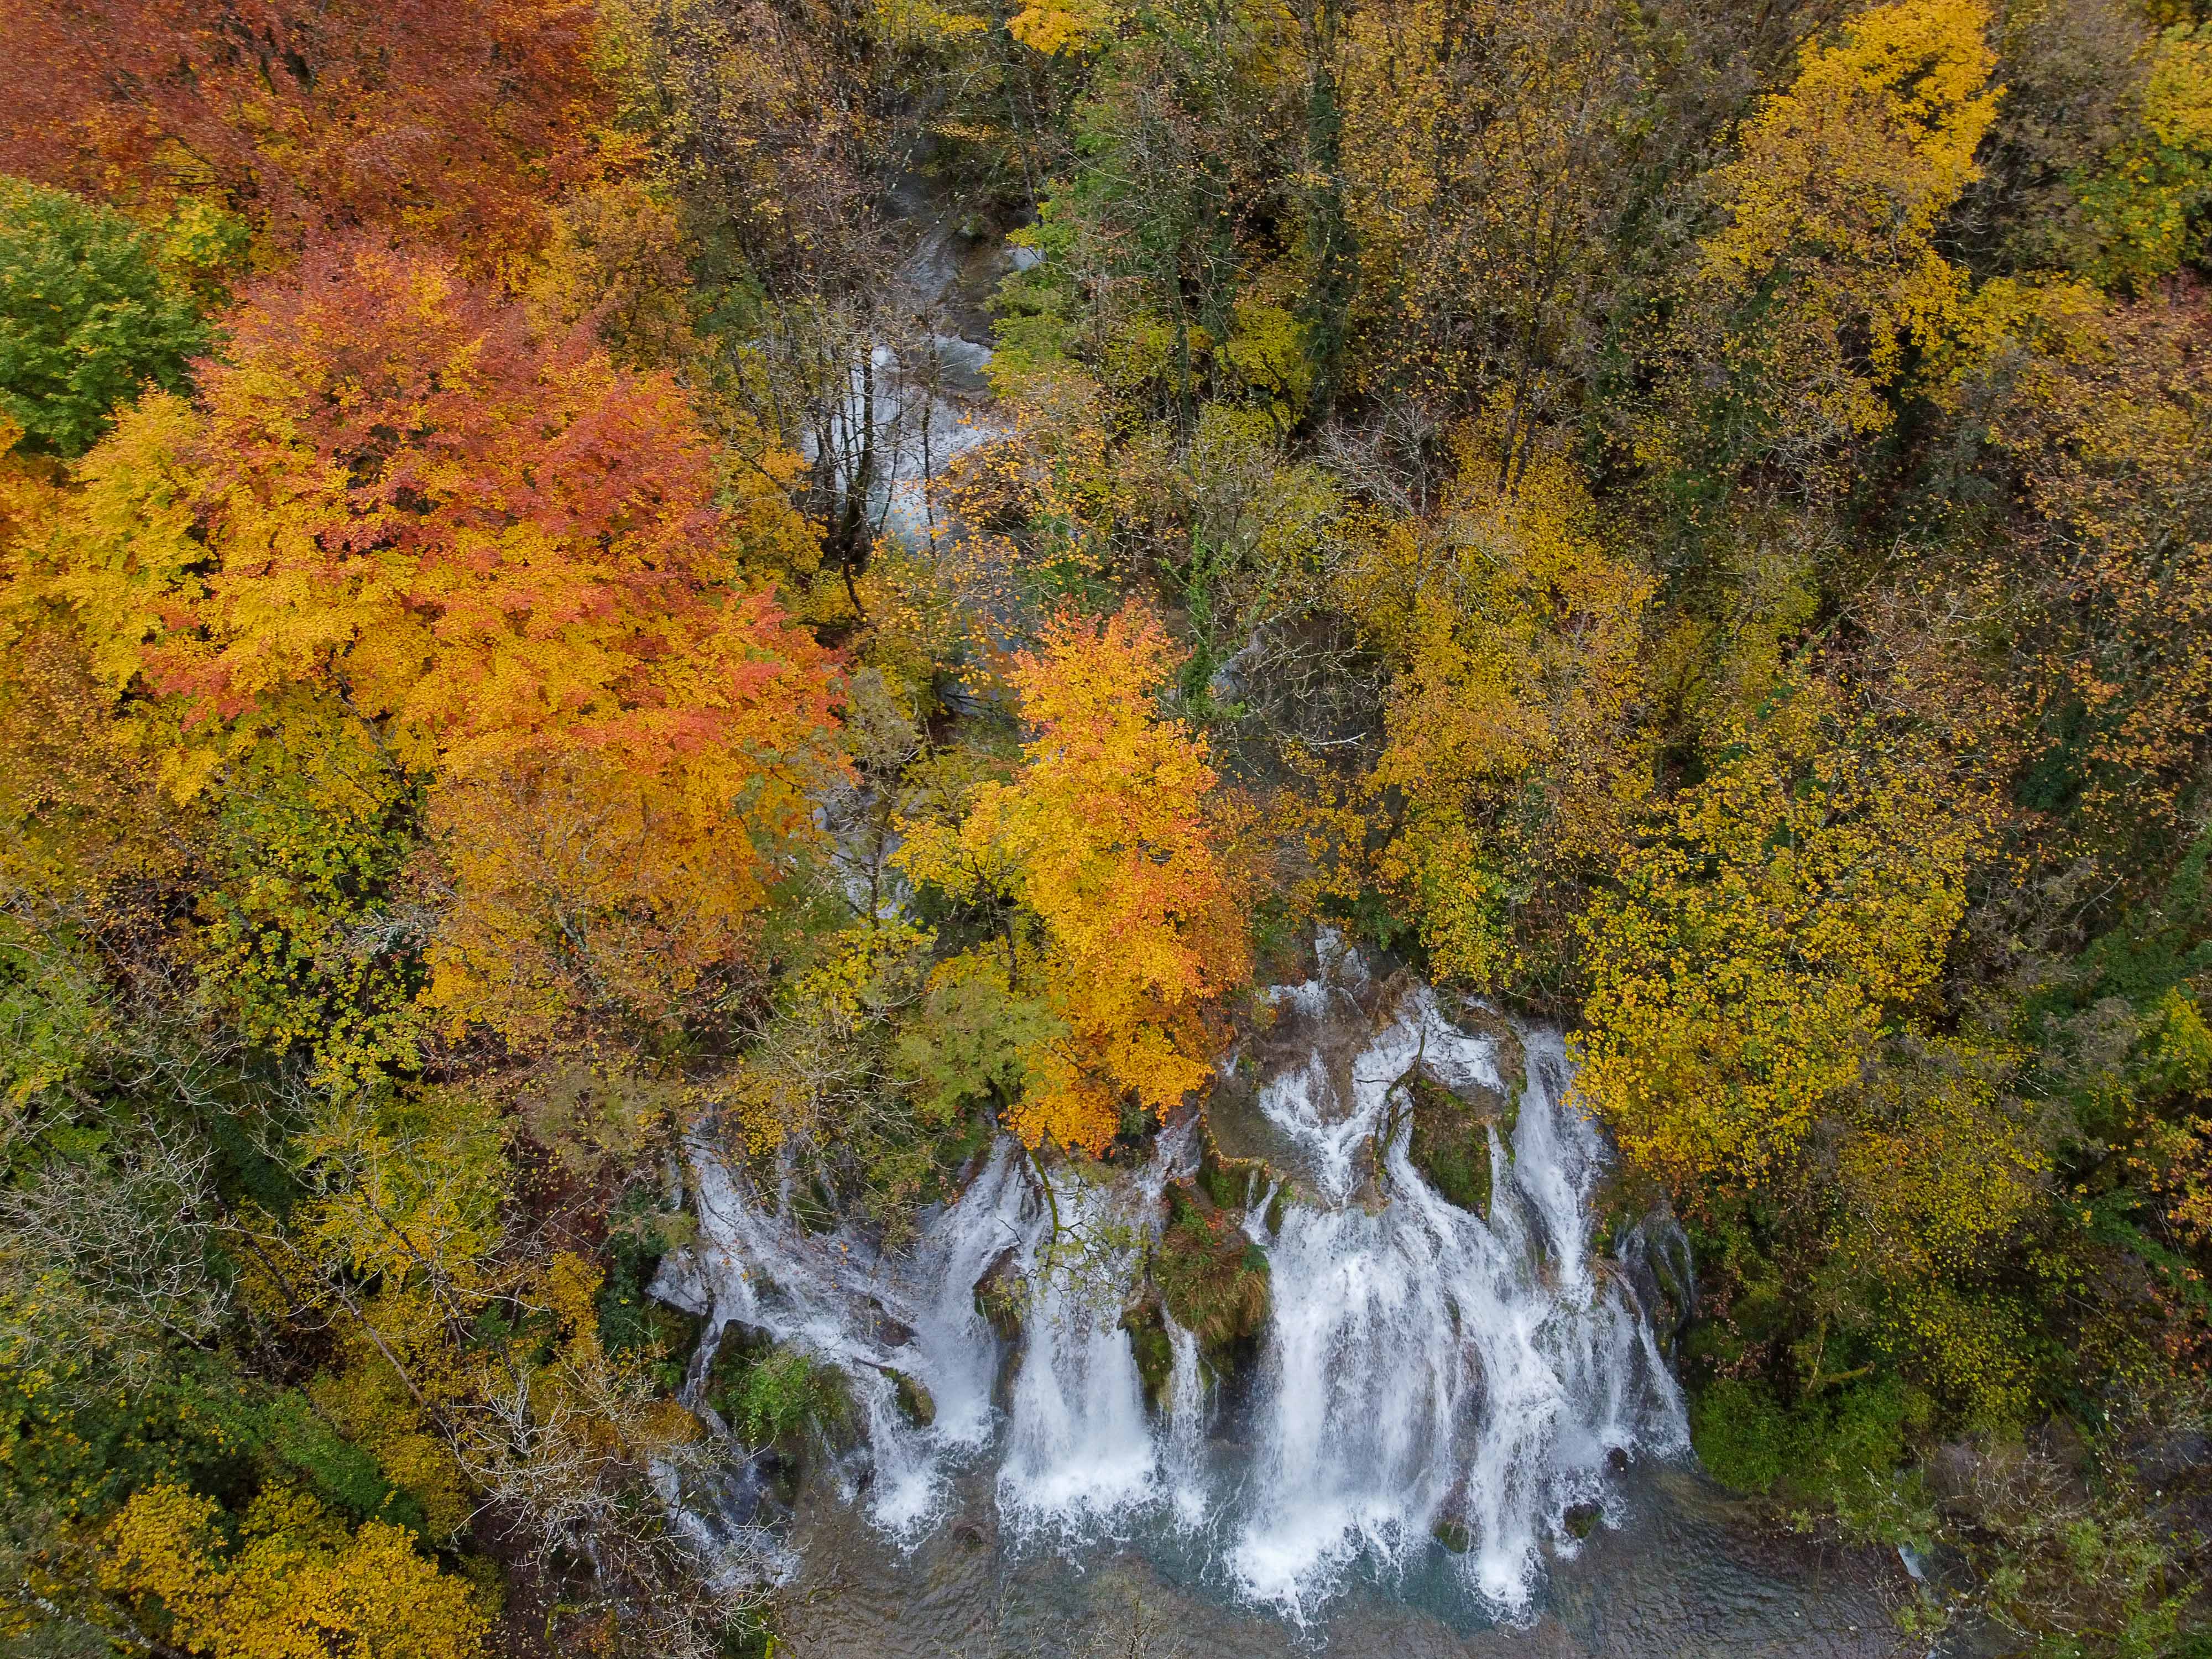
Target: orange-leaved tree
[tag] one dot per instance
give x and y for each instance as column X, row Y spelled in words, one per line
column 455, row 121
column 1113, row 838
column 502, row 557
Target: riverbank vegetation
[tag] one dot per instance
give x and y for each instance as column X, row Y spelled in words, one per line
column 1686, row 520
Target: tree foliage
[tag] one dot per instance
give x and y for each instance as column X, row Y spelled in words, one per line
column 90, row 319
column 399, row 522
column 1789, row 910
column 536, row 652
column 450, row 123
column 1513, row 744
column 1827, row 273
column 297, row 1584
column 1108, row 838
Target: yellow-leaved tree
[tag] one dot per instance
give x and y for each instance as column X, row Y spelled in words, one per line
column 1515, row 743
column 1826, row 274
column 1789, row 909
column 1110, row 845
column 1051, row 26
column 296, row 1585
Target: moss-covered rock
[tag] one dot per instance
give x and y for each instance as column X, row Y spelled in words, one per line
column 1002, row 1300
column 781, row 1402
column 1232, row 1183
column 1451, row 1144
column 1148, row 1336
column 1454, row 1535
column 1213, row 1281
column 915, row 1399
column 1582, row 1519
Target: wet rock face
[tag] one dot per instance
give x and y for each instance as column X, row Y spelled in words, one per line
column 1232, row 1183
column 1155, row 1350
column 915, row 1401
column 1322, row 1031
column 1452, row 1121
column 1656, row 1260
column 1002, row 1298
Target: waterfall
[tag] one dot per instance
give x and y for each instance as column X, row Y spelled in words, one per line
column 1428, row 1378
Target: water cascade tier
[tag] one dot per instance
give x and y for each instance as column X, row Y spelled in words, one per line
column 1412, row 1344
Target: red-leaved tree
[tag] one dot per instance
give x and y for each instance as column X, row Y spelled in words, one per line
column 450, row 119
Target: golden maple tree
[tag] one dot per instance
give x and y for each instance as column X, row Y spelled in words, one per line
column 1111, row 836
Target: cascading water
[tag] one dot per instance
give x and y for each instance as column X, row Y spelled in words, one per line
column 1426, row 1372
column 1428, row 1367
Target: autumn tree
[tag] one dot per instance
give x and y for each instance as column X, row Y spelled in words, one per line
column 1813, row 297
column 1784, row 913
column 455, row 123
column 498, row 558
column 297, row 1584
column 1484, row 161
column 2102, row 428
column 2146, row 204
column 1110, row 839
column 1516, row 758
column 1161, row 246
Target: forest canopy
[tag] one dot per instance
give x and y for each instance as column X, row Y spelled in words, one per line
column 840, row 579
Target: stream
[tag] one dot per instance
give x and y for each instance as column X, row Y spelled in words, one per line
column 1452, row 1432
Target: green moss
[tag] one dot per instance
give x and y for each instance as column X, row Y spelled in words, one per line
column 1001, row 1299
column 1450, row 1145
column 1213, row 1281
column 769, row 1395
column 1148, row 1336
column 1231, row 1183
column 915, row 1399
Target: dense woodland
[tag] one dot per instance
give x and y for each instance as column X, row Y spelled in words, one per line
column 1689, row 519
